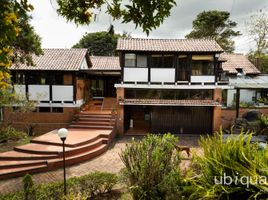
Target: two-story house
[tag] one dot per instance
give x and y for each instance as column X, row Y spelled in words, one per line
column 60, row 82
column 169, row 85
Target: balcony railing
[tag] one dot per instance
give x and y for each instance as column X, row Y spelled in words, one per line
column 58, row 93
column 161, row 75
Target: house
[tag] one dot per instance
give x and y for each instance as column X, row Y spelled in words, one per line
column 237, row 68
column 169, row 85
column 60, row 82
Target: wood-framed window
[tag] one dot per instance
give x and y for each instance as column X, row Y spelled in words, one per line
column 135, row 60
column 162, row 61
column 183, row 68
column 202, row 65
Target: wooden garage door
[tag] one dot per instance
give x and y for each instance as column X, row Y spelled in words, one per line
column 186, row 120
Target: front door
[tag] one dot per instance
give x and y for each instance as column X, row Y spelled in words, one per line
column 97, row 88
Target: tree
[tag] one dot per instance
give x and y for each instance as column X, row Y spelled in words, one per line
column 99, row 43
column 146, row 14
column 215, row 25
column 18, row 41
column 257, row 28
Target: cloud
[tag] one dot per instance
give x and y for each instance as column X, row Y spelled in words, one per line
column 57, row 33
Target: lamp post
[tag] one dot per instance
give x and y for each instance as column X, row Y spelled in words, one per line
column 62, row 133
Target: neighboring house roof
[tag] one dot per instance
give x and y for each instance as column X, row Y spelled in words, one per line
column 237, row 61
column 250, row 82
column 109, row 63
column 168, row 45
column 56, row 59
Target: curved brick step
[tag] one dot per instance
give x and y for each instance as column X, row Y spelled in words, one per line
column 16, row 156
column 15, row 172
column 53, row 164
column 6, row 164
column 43, row 149
column 87, row 140
column 78, row 158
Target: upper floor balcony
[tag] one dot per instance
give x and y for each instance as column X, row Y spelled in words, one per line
column 173, row 68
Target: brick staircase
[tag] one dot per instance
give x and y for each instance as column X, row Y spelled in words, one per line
column 89, row 136
column 88, row 120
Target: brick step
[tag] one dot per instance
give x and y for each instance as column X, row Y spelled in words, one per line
column 95, row 119
column 49, row 149
column 94, row 115
column 17, row 156
column 15, row 172
column 107, row 123
column 53, row 164
column 91, row 127
column 67, row 145
column 6, row 164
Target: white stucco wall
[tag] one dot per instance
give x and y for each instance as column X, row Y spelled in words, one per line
column 245, row 96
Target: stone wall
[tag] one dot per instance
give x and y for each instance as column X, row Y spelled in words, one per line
column 228, row 115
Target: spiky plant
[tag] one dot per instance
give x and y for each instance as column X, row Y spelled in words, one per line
column 236, row 158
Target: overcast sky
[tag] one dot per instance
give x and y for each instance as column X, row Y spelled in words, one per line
column 57, row 33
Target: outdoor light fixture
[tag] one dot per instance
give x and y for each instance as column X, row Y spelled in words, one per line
column 62, row 133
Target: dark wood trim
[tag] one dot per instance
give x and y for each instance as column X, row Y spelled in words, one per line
column 237, row 106
column 149, row 67
column 176, row 65
column 189, row 66
column 216, row 71
column 122, row 64
column 74, row 86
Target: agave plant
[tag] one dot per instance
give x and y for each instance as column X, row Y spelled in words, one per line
column 230, row 168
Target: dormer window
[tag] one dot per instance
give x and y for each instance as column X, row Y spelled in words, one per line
column 240, row 71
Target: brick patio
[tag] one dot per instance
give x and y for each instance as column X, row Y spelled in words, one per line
column 107, row 162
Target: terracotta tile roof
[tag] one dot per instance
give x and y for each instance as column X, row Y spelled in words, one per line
column 169, row 102
column 168, row 45
column 105, row 63
column 56, row 59
column 234, row 61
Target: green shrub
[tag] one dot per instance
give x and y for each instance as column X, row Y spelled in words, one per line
column 10, row 133
column 29, row 189
column 152, row 168
column 93, row 184
column 235, row 158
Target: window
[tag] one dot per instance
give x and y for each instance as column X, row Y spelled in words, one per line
column 168, row 94
column 57, row 78
column 20, row 78
column 202, row 65
column 130, row 60
column 183, row 68
column 162, row 61
column 141, row 61
column 133, row 60
column 57, row 109
column 44, row 109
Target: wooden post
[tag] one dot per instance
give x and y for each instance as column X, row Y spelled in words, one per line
column 237, row 102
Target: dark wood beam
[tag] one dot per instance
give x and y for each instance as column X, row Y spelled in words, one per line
column 237, row 105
